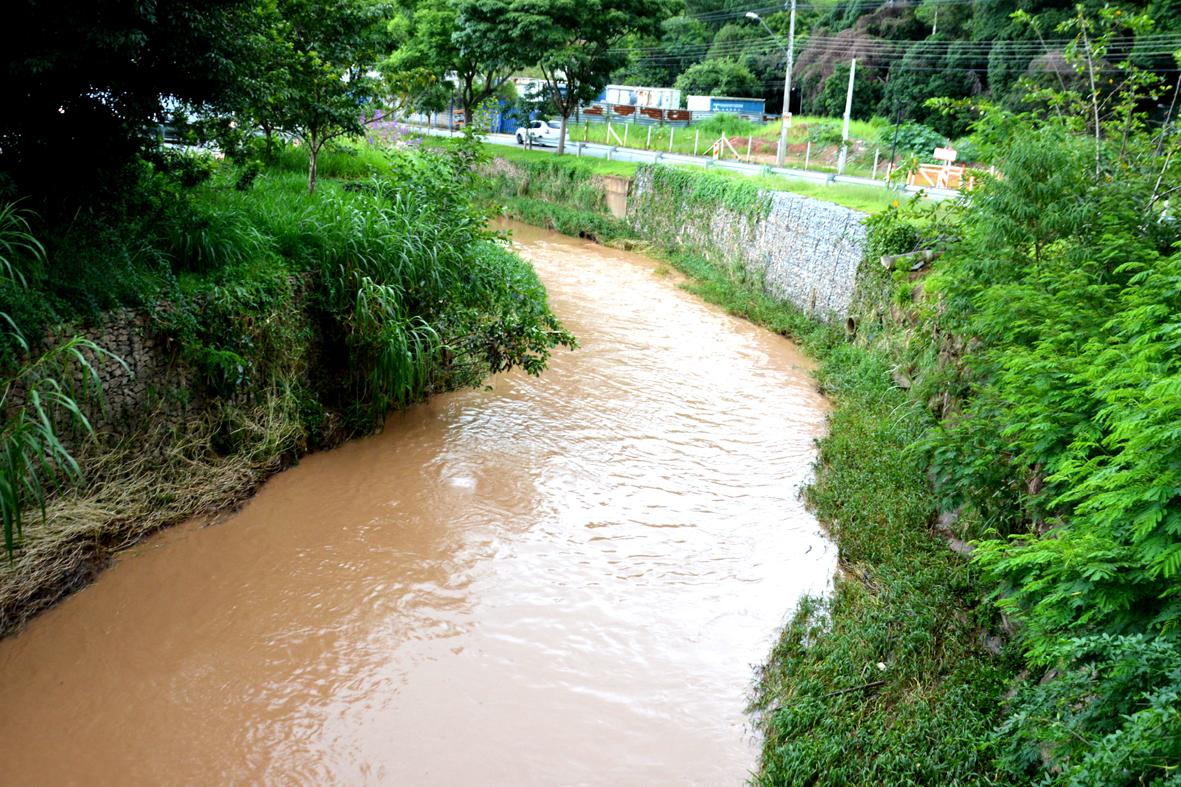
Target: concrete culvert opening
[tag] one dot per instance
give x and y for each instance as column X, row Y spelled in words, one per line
column 850, row 327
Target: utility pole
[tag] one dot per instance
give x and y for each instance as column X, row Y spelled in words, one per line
column 848, row 111
column 894, row 144
column 785, row 122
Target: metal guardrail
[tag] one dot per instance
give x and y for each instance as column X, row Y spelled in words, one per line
column 650, row 116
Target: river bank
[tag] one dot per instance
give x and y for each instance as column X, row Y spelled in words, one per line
column 254, row 323
column 888, row 679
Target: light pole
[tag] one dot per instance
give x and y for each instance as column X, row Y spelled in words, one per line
column 848, row 112
column 785, row 123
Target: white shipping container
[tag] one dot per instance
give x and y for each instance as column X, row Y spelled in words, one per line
column 658, row 97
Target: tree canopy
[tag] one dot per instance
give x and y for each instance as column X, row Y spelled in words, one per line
column 718, row 78
column 575, row 43
column 85, row 83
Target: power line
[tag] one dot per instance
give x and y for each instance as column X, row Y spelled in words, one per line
column 916, row 58
column 1163, row 43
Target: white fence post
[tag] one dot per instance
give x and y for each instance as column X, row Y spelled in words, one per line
column 877, row 152
column 696, row 139
column 672, row 132
column 749, row 143
column 648, row 144
column 807, row 154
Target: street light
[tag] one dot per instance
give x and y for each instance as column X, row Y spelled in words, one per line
column 785, row 124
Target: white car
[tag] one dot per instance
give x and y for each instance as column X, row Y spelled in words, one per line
column 540, row 132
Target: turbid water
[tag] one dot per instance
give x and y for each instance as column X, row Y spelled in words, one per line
column 559, row 580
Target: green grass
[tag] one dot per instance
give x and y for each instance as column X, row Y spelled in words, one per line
column 566, row 220
column 696, row 140
column 596, row 166
column 868, row 131
column 345, row 160
column 869, row 199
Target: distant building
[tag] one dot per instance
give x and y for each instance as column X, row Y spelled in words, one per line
column 529, row 88
column 629, row 95
column 737, row 106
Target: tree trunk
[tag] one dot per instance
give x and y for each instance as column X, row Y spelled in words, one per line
column 562, row 138
column 313, row 153
column 469, row 91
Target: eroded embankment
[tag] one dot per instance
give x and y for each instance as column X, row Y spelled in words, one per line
column 562, row 579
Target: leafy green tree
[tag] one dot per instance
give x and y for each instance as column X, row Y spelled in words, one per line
column 456, row 39
column 484, row 57
column 575, row 43
column 733, row 40
column 85, row 83
column 718, row 78
column 929, row 70
column 682, row 40
column 327, row 66
column 641, row 67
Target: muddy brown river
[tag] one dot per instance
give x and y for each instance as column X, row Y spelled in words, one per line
column 560, row 580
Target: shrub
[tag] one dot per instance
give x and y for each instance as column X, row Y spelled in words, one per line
column 918, row 139
column 728, row 125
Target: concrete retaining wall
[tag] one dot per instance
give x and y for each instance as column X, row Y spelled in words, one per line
column 805, row 251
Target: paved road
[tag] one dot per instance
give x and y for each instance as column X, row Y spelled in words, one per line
column 615, row 153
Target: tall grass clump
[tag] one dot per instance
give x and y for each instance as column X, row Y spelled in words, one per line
column 409, row 292
column 39, row 395
column 341, row 160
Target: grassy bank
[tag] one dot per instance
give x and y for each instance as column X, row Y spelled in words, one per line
column 887, row 681
column 558, row 193
column 295, row 320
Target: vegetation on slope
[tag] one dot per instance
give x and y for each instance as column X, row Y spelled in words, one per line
column 302, row 318
column 1059, row 443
